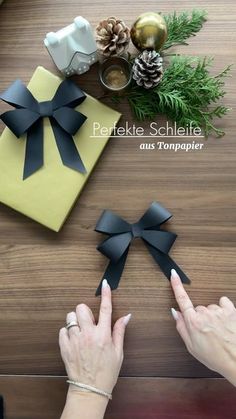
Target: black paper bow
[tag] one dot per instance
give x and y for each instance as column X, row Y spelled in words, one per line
column 28, row 117
column 121, row 234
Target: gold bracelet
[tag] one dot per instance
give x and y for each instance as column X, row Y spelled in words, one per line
column 90, row 388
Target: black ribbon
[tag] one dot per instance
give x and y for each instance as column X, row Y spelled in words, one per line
column 121, row 234
column 28, row 118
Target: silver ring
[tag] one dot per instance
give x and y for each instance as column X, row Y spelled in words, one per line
column 72, row 324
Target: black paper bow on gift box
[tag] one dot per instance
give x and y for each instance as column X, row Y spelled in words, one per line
column 121, row 234
column 28, row 118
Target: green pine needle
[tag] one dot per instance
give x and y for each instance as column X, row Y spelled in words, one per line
column 187, row 94
column 181, row 27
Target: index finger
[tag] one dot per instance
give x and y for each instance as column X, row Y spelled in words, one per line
column 106, row 306
column 182, row 298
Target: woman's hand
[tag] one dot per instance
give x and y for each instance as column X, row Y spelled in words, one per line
column 93, row 353
column 209, row 333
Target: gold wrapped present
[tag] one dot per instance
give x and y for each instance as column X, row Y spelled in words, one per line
column 47, row 196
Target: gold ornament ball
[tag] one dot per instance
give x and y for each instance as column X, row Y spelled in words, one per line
column 149, row 31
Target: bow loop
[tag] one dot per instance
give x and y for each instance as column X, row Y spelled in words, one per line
column 110, row 223
column 154, row 216
column 68, row 94
column 121, row 234
column 69, row 119
column 19, row 120
column 28, row 118
column 160, row 240
column 114, row 247
column 19, row 96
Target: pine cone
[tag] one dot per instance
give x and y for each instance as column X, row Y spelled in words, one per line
column 112, row 37
column 147, row 69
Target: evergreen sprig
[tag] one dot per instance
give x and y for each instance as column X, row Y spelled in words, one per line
column 182, row 26
column 186, row 95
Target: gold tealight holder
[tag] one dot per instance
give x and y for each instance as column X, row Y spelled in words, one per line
column 115, row 74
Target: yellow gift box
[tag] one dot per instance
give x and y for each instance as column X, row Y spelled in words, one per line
column 48, row 195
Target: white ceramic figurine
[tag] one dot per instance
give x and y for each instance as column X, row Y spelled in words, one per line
column 73, row 48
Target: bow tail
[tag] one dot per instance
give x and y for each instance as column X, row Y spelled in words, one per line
column 69, row 154
column 166, row 264
column 113, row 273
column 33, row 149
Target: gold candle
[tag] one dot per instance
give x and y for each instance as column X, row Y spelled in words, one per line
column 115, row 74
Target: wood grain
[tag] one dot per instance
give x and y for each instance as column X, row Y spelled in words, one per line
column 44, row 274
column 133, row 398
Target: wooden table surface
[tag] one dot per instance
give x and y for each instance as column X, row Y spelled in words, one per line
column 45, row 274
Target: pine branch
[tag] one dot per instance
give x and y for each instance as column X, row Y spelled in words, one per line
column 181, row 27
column 173, row 100
column 187, row 94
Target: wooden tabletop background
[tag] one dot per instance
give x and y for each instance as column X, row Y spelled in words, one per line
column 43, row 275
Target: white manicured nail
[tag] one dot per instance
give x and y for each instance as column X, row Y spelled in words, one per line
column 174, row 313
column 104, row 283
column 174, row 273
column 127, row 319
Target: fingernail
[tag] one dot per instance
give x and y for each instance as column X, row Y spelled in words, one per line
column 104, row 283
column 174, row 273
column 174, row 313
column 127, row 319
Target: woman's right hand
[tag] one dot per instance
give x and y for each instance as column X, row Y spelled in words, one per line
column 209, row 333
